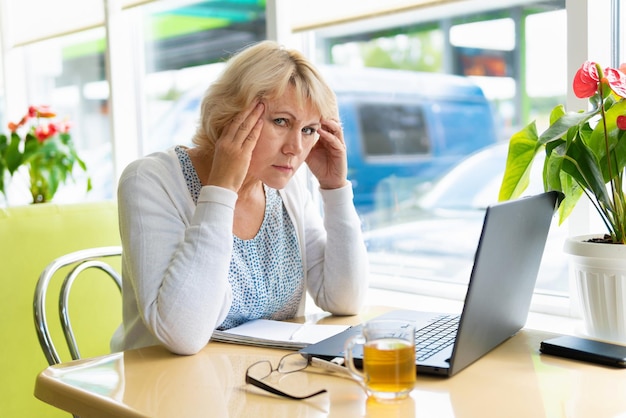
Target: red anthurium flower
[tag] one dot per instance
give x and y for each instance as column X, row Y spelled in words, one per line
column 616, row 80
column 44, row 132
column 40, row 112
column 621, row 122
column 64, row 126
column 586, row 80
column 15, row 126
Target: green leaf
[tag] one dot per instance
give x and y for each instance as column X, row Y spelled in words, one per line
column 555, row 152
column 582, row 164
column 31, row 147
column 13, row 156
column 562, row 124
column 523, row 148
column 599, row 145
column 4, row 144
column 572, row 192
column 56, row 177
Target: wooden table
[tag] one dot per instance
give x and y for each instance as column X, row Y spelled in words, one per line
column 514, row 380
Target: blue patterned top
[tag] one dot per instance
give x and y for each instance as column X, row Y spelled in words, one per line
column 266, row 274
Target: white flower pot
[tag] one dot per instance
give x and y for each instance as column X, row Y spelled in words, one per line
column 599, row 271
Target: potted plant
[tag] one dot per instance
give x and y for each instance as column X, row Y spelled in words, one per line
column 45, row 151
column 585, row 153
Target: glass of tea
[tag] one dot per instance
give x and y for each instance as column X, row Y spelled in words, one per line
column 388, row 359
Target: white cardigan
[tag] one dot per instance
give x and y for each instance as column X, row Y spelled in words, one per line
column 176, row 254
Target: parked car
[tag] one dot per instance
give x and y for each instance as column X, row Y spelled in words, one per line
column 400, row 127
column 435, row 236
column 405, row 127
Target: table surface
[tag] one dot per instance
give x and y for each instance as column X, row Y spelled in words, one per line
column 514, row 380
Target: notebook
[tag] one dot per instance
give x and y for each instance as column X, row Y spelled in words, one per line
column 498, row 297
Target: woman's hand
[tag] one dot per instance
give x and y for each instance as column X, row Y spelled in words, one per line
column 327, row 159
column 233, row 150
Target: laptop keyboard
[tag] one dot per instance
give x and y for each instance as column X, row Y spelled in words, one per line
column 436, row 336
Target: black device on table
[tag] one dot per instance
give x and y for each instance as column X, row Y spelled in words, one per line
column 584, row 349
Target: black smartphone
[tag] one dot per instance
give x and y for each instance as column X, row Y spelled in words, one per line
column 585, row 350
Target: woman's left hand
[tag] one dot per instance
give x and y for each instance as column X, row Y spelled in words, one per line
column 327, row 159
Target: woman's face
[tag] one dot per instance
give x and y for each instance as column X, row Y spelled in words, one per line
column 289, row 132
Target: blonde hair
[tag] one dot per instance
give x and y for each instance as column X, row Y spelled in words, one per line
column 263, row 70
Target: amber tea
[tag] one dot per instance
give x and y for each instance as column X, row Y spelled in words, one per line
column 388, row 358
column 389, row 365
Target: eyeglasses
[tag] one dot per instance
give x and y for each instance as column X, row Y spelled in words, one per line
column 292, row 362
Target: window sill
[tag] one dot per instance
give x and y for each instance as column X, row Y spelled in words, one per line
column 544, row 321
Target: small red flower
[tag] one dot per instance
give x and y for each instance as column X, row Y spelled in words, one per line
column 15, row 126
column 616, row 80
column 64, row 126
column 40, row 112
column 44, row 132
column 586, row 80
column 621, row 122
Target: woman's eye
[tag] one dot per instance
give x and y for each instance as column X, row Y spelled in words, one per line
column 280, row 121
column 308, row 131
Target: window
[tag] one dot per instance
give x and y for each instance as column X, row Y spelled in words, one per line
column 184, row 45
column 393, row 130
column 423, row 226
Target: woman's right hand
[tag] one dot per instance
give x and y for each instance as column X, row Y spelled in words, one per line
column 233, row 150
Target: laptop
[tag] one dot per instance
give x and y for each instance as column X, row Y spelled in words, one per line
column 498, row 295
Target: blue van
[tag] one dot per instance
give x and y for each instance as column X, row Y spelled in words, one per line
column 401, row 128
column 404, row 128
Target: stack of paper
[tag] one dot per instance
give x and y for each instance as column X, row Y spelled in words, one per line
column 277, row 334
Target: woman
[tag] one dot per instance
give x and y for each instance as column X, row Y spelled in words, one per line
column 224, row 232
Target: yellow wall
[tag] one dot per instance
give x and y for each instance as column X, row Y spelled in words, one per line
column 30, row 237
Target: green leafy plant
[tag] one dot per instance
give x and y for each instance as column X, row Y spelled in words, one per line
column 585, row 151
column 46, row 150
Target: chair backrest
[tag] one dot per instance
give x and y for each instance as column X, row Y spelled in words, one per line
column 78, row 261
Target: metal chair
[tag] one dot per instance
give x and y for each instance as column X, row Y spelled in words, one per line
column 82, row 260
